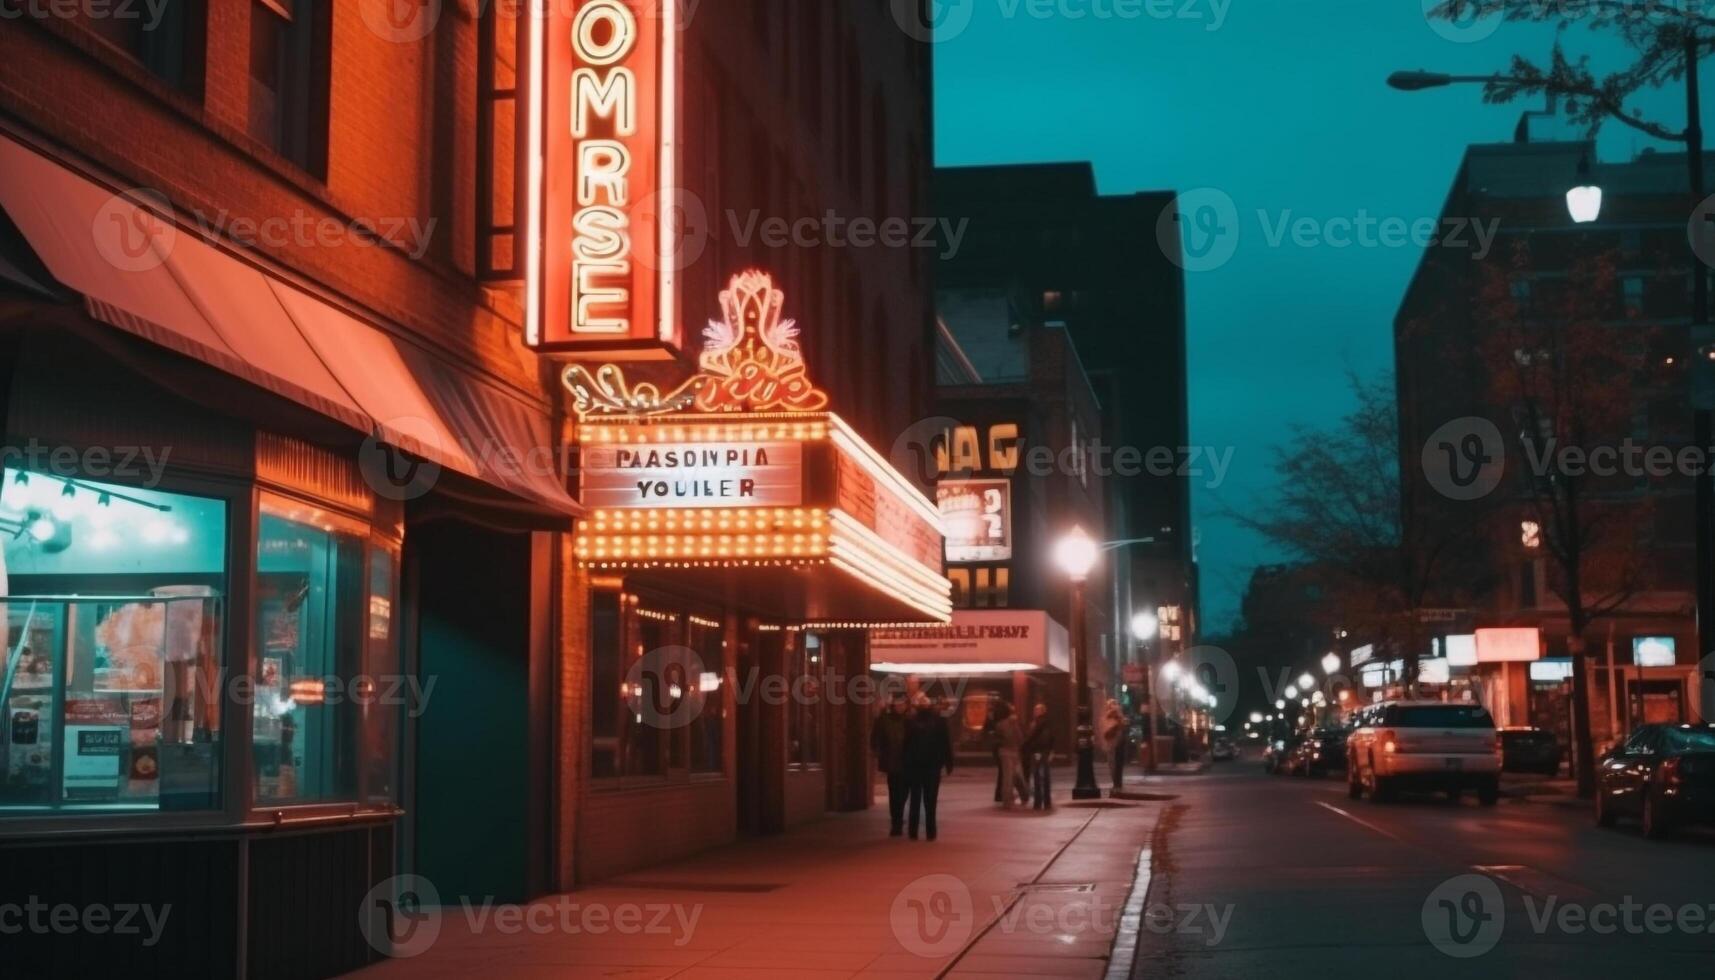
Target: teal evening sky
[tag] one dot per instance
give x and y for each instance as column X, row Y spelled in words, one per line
column 1282, row 106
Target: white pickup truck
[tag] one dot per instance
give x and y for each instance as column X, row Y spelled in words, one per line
column 1424, row 745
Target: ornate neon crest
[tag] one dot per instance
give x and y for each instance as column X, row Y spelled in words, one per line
column 751, row 362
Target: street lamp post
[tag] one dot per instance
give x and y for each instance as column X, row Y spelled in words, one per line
column 1076, row 554
column 1144, row 627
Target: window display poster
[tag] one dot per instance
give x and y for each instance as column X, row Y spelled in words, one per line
column 978, row 517
column 145, row 739
column 29, row 737
column 97, row 733
column 31, row 638
column 128, row 648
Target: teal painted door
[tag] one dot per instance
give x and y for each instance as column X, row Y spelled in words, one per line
column 472, row 766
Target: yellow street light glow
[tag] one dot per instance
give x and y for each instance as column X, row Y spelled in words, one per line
column 1076, row 554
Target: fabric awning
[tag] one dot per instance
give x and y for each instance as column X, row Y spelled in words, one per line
column 146, row 275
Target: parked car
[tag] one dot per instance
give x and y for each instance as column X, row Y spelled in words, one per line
column 1280, row 748
column 1530, row 750
column 1223, row 750
column 1423, row 745
column 1664, row 775
column 1324, row 751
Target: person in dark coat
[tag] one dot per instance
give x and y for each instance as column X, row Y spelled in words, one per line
column 928, row 753
column 1038, row 756
column 991, row 738
column 887, row 741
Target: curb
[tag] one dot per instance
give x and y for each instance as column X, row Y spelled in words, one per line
column 1122, row 957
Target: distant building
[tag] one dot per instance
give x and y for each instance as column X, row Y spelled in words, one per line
column 1010, row 460
column 1643, row 653
column 1065, row 257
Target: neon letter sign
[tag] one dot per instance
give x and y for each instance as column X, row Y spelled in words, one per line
column 601, row 153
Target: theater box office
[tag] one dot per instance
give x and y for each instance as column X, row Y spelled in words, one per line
column 741, row 541
column 238, row 517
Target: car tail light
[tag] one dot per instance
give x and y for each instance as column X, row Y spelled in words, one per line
column 1670, row 773
column 1390, row 742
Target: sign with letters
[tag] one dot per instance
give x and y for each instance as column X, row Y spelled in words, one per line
column 719, row 474
column 602, row 152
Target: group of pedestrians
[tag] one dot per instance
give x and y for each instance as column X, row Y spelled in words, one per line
column 1021, row 752
column 914, row 749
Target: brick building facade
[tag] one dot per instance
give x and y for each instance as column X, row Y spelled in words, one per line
column 309, row 325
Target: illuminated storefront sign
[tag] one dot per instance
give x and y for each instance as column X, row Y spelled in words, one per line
column 975, row 642
column 978, row 517
column 712, row 474
column 1509, row 645
column 1654, row 651
column 602, row 153
column 740, row 465
column 976, row 466
column 1460, row 649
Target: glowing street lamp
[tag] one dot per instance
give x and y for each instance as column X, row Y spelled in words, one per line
column 1076, row 554
column 1330, row 663
column 1584, row 203
column 1144, row 627
column 1305, row 681
column 1291, row 691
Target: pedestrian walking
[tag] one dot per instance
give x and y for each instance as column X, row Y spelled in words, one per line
column 991, row 738
column 1010, row 735
column 887, row 741
column 1116, row 739
column 1038, row 758
column 927, row 753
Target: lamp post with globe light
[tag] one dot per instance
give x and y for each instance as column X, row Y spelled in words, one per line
column 1144, row 626
column 1076, row 554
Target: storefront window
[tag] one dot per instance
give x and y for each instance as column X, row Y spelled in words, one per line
column 707, row 730
column 657, row 689
column 806, row 659
column 110, row 677
column 310, row 625
column 381, row 688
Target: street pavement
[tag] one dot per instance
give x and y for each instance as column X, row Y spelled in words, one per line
column 1001, row 893
column 1273, row 876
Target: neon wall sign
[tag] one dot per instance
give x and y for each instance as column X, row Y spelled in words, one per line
column 603, row 170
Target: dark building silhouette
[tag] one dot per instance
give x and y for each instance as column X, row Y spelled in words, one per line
column 1089, row 263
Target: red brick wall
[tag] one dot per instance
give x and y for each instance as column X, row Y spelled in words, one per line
column 806, row 796
column 401, row 150
column 626, row 830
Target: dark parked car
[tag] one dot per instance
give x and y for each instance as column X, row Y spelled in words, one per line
column 1323, row 752
column 1530, row 750
column 1222, row 750
column 1663, row 774
column 1279, row 752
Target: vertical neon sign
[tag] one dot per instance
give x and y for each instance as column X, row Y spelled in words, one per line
column 603, row 168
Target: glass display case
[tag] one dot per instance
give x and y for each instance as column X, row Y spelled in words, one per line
column 111, row 672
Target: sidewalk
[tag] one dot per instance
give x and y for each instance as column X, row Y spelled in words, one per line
column 1001, row 893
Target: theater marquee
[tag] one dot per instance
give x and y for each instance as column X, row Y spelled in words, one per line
column 743, row 466
column 602, row 152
